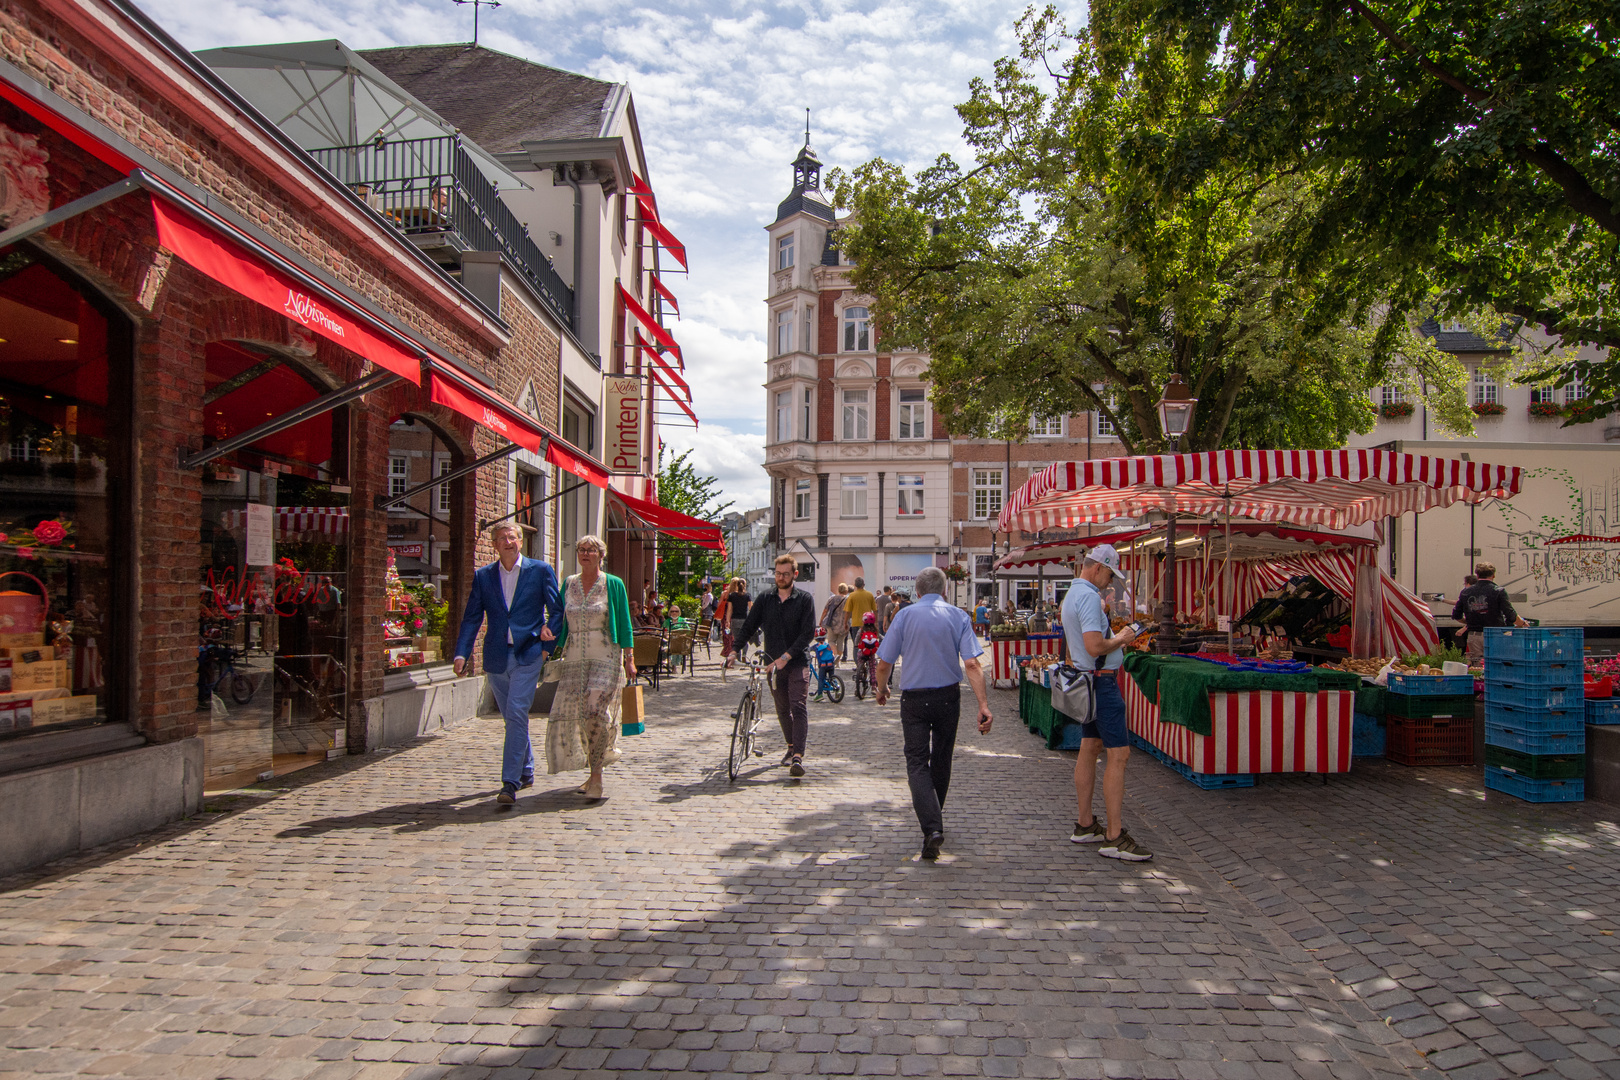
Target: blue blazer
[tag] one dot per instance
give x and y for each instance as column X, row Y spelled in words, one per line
column 536, row 596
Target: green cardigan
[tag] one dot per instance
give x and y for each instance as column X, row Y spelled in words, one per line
column 618, row 615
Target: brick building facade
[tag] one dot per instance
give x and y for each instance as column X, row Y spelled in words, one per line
column 237, row 616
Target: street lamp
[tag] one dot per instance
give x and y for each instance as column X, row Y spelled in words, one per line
column 1175, row 420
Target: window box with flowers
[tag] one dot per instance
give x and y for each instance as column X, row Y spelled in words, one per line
column 1546, row 409
column 1488, row 408
column 1582, row 411
column 1395, row 410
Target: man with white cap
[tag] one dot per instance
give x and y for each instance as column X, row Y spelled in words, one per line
column 1086, row 631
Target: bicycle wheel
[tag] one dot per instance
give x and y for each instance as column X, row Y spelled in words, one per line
column 742, row 732
column 860, row 681
column 242, row 688
column 835, row 688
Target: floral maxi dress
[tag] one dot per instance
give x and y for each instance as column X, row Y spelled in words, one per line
column 584, row 723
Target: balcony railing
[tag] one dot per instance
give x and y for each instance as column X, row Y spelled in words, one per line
column 432, row 186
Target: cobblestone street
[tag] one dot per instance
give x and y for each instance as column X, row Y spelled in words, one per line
column 378, row 917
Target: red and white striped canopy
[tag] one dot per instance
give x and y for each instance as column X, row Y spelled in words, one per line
column 1331, row 488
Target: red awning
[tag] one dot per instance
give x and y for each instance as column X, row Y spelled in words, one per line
column 658, row 359
column 662, row 385
column 674, row 524
column 654, row 327
column 242, row 272
column 663, row 290
column 571, row 459
column 676, row 249
column 485, row 407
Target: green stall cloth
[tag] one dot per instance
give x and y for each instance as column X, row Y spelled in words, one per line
column 1370, row 700
column 1035, row 709
column 1181, row 686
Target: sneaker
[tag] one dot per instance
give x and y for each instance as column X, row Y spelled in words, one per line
column 1088, row 834
column 931, row 846
column 787, row 758
column 526, row 782
column 797, row 768
column 508, row 795
column 1124, row 848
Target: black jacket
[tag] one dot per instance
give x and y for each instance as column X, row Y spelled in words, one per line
column 789, row 625
column 1482, row 604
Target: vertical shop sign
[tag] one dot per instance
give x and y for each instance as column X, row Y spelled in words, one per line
column 261, row 544
column 623, row 424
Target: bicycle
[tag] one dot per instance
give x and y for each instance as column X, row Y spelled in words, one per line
column 216, row 663
column 864, row 671
column 829, row 684
column 746, row 720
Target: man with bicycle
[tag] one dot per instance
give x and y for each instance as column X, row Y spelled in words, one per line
column 788, row 617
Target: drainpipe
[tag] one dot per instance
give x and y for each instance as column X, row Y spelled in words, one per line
column 570, row 174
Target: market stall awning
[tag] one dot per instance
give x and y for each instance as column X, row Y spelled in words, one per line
column 1250, row 540
column 1585, row 538
column 674, row 524
column 331, row 522
column 1332, row 488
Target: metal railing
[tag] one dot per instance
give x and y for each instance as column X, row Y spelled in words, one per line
column 433, row 186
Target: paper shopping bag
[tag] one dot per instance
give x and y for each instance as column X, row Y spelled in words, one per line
column 632, row 719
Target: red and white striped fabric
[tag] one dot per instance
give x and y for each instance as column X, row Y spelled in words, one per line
column 328, row 521
column 1004, row 657
column 1333, row 488
column 1254, row 731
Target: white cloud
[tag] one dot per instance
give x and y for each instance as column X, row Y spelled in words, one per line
column 720, row 89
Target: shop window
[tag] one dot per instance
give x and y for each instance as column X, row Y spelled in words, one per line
column 417, row 585
column 64, row 385
column 272, row 674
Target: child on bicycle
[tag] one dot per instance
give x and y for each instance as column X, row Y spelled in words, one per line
column 826, row 660
column 866, row 646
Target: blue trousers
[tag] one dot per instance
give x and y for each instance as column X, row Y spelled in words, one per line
column 514, row 693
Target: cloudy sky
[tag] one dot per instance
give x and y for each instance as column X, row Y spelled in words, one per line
column 720, row 89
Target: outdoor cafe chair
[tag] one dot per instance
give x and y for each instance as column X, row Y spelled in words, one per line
column 648, row 653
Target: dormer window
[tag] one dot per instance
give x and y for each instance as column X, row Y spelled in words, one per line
column 857, row 330
column 784, row 253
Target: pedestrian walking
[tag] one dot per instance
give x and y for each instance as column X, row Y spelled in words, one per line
column 733, row 610
column 981, row 618
column 835, row 620
column 788, row 617
column 1085, row 629
column 1482, row 604
column 519, row 599
column 857, row 604
column 885, row 601
column 597, row 659
column 937, row 643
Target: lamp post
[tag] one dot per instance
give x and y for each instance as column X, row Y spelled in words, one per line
column 1175, row 420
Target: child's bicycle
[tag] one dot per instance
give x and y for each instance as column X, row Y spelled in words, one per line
column 865, row 670
column 828, row 683
column 746, row 720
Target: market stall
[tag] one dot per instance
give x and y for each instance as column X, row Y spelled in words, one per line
column 1006, row 653
column 1262, row 720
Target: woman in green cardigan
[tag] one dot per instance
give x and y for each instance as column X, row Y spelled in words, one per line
column 598, row 661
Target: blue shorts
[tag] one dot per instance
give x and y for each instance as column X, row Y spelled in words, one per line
column 1109, row 723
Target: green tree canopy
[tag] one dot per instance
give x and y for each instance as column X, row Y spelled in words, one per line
column 1459, row 156
column 682, row 488
column 1041, row 283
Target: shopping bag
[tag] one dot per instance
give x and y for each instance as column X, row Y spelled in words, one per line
column 632, row 720
column 1074, row 693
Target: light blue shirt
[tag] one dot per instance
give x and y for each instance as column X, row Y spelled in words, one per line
column 934, row 637
column 1082, row 611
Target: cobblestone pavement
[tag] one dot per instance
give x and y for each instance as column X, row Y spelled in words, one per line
column 378, row 917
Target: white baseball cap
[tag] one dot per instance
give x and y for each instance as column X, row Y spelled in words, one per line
column 1105, row 554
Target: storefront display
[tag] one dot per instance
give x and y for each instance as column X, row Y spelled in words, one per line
column 62, row 466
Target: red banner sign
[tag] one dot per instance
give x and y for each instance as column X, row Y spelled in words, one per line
column 487, row 409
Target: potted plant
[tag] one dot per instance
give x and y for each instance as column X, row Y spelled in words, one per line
column 1545, row 409
column 1489, row 408
column 956, row 572
column 1396, row 410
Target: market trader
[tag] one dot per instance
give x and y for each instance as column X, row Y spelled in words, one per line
column 1085, row 630
column 1482, row 604
column 519, row 597
column 937, row 642
column 788, row 617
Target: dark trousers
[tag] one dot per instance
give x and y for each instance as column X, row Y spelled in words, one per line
column 928, row 720
column 791, row 689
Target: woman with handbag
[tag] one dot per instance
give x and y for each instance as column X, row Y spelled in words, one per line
column 593, row 661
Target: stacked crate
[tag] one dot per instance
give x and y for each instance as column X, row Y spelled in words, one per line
column 1429, row 719
column 1535, row 713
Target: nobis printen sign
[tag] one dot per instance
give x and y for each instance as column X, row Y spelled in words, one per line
column 623, row 425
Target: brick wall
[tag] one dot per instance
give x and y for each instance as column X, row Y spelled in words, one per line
column 883, row 407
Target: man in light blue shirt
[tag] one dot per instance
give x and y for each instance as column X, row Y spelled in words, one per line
column 937, row 642
column 1093, row 648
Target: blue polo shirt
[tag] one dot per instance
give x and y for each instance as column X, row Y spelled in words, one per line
column 1082, row 611
column 934, row 637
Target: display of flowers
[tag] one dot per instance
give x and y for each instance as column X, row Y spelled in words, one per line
column 41, row 539
column 1546, row 408
column 956, row 572
column 1489, row 408
column 1395, row 410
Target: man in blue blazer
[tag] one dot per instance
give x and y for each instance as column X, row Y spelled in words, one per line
column 519, row 598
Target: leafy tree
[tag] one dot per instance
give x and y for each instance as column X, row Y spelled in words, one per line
column 1458, row 155
column 1037, row 276
column 682, row 488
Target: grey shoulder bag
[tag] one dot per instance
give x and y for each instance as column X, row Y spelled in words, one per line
column 1074, row 693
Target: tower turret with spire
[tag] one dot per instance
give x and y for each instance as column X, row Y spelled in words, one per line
column 806, row 195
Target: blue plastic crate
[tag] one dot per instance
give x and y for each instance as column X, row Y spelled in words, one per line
column 1503, row 692
column 1538, row 672
column 1431, row 685
column 1536, row 791
column 1207, row 781
column 1536, row 742
column 1603, row 710
column 1570, row 718
column 1367, row 736
column 1562, row 643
